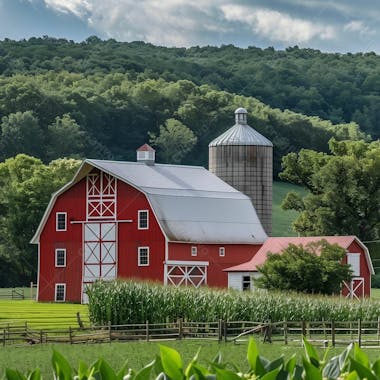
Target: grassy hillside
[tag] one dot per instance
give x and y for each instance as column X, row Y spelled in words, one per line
column 281, row 219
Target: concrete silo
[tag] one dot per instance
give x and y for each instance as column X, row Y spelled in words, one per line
column 243, row 158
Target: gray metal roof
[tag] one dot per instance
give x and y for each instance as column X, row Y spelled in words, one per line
column 190, row 203
column 241, row 133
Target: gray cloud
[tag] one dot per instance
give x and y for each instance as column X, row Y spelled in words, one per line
column 331, row 25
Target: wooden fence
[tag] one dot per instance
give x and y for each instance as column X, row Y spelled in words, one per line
column 324, row 333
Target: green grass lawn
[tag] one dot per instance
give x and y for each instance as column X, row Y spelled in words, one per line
column 139, row 354
column 282, row 220
column 41, row 315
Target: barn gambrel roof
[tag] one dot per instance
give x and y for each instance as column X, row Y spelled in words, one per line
column 190, row 203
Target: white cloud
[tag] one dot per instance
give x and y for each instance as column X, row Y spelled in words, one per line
column 77, row 7
column 277, row 26
column 357, row 26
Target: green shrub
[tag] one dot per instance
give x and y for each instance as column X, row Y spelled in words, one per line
column 124, row 302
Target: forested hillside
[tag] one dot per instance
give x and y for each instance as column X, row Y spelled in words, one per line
column 337, row 87
column 63, row 114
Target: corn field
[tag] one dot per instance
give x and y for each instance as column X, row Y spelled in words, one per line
column 124, row 302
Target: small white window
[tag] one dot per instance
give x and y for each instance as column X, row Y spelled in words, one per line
column 246, row 283
column 143, row 220
column 60, row 257
column 353, row 259
column 143, row 256
column 60, row 221
column 194, row 251
column 60, row 292
column 222, row 251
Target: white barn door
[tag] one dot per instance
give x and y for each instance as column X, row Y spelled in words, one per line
column 99, row 231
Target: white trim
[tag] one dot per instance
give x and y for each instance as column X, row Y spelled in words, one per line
column 57, row 214
column 139, row 249
column 64, row 292
column 139, row 212
column 222, row 251
column 64, row 257
column 194, row 251
column 188, row 262
column 38, row 272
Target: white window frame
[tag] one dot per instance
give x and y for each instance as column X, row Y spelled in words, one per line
column 64, row 292
column 356, row 255
column 56, row 257
column 139, row 256
column 244, row 282
column 194, row 251
column 222, row 251
column 139, row 220
column 56, row 221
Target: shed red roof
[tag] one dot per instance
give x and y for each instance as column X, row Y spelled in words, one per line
column 145, row 148
column 277, row 244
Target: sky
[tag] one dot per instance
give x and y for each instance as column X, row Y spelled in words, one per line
column 327, row 25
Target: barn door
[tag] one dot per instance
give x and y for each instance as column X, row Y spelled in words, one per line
column 99, row 230
column 354, row 288
column 186, row 273
column 99, row 253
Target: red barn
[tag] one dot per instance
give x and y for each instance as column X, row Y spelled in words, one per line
column 169, row 223
column 240, row 276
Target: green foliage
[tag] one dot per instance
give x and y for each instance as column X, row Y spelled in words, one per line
column 338, row 87
column 314, row 268
column 26, row 185
column 123, row 302
column 174, row 141
column 344, row 189
column 351, row 364
column 110, row 115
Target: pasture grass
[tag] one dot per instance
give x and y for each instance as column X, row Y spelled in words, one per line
column 138, row 354
column 282, row 219
column 40, row 315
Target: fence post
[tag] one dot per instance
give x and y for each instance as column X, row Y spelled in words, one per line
column 147, row 330
column 225, row 330
column 26, row 327
column 180, row 328
column 333, row 333
column 285, row 332
column 41, row 336
column 303, row 328
column 109, row 331
column 70, row 335
column 220, row 334
column 4, row 336
column 360, row 332
column 378, row 330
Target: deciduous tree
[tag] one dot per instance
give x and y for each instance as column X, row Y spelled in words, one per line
column 313, row 268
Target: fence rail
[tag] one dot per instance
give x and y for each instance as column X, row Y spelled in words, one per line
column 325, row 333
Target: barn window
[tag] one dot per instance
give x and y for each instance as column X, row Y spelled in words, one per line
column 246, row 282
column 143, row 220
column 353, row 259
column 143, row 256
column 60, row 221
column 194, row 251
column 60, row 292
column 60, row 257
column 222, row 251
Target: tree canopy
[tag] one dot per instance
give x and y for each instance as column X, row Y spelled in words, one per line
column 344, row 189
column 338, row 87
column 26, row 185
column 313, row 268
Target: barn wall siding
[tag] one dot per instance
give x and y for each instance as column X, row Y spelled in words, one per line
column 129, row 202
column 234, row 254
column 73, row 203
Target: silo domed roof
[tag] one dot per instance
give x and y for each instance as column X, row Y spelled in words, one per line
column 241, row 133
